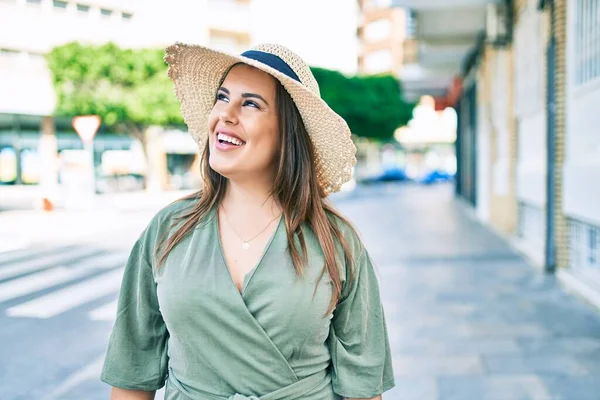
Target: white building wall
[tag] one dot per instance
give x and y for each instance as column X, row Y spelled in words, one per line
column 493, row 156
column 531, row 166
column 483, row 156
column 27, row 31
column 530, row 113
column 581, row 178
column 499, row 118
column 322, row 32
column 530, row 106
column 582, row 159
column 39, row 27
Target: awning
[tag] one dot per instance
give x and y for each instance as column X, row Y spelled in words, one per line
column 448, row 31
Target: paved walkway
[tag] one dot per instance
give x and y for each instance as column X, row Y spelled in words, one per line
column 469, row 319
column 20, row 228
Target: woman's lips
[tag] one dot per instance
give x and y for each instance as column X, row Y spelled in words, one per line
column 227, row 141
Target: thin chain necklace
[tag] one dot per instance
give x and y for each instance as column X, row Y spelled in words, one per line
column 246, row 243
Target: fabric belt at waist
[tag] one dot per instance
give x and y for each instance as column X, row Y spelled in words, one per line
column 293, row 391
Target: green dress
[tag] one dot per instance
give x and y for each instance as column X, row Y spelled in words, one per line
column 188, row 326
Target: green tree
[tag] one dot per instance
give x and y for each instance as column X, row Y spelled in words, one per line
column 128, row 89
column 372, row 105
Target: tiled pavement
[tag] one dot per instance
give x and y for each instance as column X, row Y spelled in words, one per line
column 468, row 318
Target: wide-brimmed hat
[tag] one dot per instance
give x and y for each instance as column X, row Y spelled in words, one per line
column 197, row 72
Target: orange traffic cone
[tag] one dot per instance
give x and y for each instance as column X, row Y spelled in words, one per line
column 47, row 204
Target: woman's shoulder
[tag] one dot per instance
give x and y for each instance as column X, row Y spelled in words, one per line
column 348, row 231
column 165, row 219
column 172, row 211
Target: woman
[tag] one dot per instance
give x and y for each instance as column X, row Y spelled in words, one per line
column 253, row 288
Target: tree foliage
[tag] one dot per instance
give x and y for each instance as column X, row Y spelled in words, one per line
column 372, row 105
column 129, row 89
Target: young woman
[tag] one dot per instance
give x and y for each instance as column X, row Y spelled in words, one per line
column 255, row 287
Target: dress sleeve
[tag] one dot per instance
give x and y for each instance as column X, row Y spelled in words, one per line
column 359, row 344
column 136, row 357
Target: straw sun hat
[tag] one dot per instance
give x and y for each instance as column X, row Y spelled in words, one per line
column 197, row 71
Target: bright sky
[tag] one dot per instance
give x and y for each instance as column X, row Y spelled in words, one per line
column 323, row 32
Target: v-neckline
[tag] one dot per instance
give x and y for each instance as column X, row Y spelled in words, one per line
column 248, row 276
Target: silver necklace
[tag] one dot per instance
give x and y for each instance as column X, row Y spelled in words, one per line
column 246, row 243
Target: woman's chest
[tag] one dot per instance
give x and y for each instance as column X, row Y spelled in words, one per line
column 198, row 296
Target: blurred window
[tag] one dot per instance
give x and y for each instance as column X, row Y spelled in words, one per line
column 8, row 165
column 411, row 24
column 228, row 41
column 126, row 15
column 59, row 4
column 230, row 3
column 30, row 166
column 382, row 3
column 530, row 63
column 36, row 2
column 531, row 225
column 378, row 30
column 587, row 41
column 9, row 53
column 105, row 12
column 378, row 61
column 584, row 245
column 35, row 56
column 83, row 8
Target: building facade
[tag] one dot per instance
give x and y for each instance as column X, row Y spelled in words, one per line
column 531, row 35
column 578, row 34
column 28, row 139
column 534, row 156
column 386, row 37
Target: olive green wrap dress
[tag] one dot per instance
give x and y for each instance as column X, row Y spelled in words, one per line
column 188, row 326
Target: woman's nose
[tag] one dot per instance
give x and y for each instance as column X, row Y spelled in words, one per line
column 228, row 114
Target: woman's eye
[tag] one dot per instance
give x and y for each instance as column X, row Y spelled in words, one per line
column 221, row 96
column 252, row 104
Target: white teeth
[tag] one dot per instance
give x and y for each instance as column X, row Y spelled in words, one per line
column 229, row 139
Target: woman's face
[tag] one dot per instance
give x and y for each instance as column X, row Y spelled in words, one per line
column 243, row 128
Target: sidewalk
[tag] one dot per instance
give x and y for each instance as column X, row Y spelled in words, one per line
column 468, row 318
column 20, row 228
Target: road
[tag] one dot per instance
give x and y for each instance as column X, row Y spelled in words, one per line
column 468, row 318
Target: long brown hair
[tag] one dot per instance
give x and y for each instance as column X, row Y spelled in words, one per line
column 295, row 188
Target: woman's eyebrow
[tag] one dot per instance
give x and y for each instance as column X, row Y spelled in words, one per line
column 246, row 95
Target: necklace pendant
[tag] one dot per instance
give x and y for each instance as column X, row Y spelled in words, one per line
column 246, row 246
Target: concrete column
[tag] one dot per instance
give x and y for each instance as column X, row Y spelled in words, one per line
column 483, row 131
column 561, row 234
column 156, row 171
column 503, row 142
column 48, row 153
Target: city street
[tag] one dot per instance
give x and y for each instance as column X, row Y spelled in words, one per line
column 468, row 318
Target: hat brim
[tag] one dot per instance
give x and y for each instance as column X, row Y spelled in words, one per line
column 197, row 71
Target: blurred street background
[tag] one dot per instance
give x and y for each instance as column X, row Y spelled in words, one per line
column 477, row 187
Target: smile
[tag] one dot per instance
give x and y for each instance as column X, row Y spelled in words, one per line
column 226, row 139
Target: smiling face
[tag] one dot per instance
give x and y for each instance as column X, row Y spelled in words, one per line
column 243, row 125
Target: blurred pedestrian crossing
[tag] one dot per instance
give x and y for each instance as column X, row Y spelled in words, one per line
column 47, row 282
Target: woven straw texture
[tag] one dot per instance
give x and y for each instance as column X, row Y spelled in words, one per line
column 196, row 72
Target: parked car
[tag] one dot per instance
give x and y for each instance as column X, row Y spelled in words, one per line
column 436, row 176
column 394, row 174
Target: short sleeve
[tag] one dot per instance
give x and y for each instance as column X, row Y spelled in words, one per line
column 358, row 341
column 136, row 357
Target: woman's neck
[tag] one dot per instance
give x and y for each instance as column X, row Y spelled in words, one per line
column 250, row 198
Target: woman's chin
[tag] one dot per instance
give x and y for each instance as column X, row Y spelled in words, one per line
column 222, row 168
